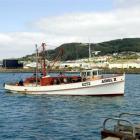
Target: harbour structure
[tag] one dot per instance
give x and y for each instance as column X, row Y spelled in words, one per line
column 125, row 127
column 11, row 64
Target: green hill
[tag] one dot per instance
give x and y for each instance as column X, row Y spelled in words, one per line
column 72, row 51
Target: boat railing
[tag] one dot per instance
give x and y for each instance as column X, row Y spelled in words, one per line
column 111, row 75
column 128, row 114
column 13, row 84
column 135, row 118
column 118, row 128
column 124, row 114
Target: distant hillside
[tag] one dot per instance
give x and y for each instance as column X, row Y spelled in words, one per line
column 120, row 45
column 74, row 51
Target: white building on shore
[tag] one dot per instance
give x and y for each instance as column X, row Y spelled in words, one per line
column 124, row 65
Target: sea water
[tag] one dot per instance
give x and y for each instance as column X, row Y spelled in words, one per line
column 43, row 117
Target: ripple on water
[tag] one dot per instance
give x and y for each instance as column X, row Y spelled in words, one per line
column 33, row 117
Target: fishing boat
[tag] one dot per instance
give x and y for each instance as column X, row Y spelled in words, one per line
column 87, row 82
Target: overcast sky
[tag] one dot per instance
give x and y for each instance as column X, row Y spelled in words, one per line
column 25, row 23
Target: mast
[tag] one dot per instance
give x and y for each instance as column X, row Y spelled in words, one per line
column 43, row 59
column 36, row 65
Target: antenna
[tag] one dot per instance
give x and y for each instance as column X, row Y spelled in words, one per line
column 89, row 49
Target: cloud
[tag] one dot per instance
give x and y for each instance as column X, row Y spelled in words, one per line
column 127, row 3
column 18, row 44
column 4, row 39
column 75, row 27
column 98, row 27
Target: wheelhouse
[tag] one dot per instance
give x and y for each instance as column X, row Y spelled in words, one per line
column 91, row 73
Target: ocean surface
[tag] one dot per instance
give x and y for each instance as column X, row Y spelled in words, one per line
column 43, row 117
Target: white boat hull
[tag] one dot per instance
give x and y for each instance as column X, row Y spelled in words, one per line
column 108, row 86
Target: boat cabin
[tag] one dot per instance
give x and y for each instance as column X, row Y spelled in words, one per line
column 91, row 74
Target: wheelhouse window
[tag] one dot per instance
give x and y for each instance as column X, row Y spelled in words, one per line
column 100, row 72
column 94, row 73
column 88, row 74
column 83, row 74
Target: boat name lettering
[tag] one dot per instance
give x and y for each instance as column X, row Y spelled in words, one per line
column 106, row 80
column 86, row 84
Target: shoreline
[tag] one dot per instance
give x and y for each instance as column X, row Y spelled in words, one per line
column 3, row 70
column 107, row 71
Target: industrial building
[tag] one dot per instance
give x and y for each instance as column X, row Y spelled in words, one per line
column 11, row 64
